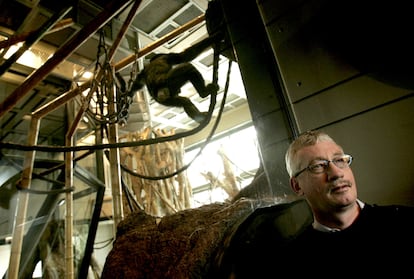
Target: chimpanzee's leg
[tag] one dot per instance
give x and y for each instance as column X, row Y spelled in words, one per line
column 186, row 72
column 191, row 110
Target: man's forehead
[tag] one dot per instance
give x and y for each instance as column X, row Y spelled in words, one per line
column 320, row 150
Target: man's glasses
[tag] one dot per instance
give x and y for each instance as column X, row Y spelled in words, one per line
column 320, row 166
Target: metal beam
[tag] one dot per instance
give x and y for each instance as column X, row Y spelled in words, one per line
column 111, row 10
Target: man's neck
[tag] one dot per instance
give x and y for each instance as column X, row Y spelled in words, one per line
column 338, row 220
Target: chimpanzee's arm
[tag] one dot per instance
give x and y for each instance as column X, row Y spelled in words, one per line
column 193, row 51
column 139, row 82
column 121, row 81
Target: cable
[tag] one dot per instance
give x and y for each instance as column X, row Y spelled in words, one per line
column 45, row 148
column 106, row 243
column 46, row 192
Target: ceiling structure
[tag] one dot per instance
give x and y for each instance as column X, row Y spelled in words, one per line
column 65, row 39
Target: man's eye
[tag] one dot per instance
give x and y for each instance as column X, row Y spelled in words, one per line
column 317, row 166
column 340, row 162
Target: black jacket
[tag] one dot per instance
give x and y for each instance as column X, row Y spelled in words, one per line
column 380, row 243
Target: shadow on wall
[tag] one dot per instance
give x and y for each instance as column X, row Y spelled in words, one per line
column 372, row 36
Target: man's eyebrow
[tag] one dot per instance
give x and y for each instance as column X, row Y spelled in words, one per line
column 322, row 158
column 318, row 159
column 339, row 153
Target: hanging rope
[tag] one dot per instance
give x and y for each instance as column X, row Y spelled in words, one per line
column 98, row 105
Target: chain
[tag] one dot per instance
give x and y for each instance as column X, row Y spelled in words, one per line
column 100, row 100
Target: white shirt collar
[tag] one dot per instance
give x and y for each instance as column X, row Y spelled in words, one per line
column 318, row 226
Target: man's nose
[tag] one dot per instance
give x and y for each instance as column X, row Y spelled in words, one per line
column 333, row 171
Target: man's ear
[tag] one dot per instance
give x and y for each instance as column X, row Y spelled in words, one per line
column 294, row 184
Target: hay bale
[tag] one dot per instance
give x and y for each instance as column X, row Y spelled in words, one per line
column 182, row 245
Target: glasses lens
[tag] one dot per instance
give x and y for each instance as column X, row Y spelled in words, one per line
column 343, row 161
column 318, row 166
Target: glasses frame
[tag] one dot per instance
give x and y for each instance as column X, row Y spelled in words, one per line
column 326, row 165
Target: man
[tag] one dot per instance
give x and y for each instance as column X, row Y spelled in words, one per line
column 347, row 235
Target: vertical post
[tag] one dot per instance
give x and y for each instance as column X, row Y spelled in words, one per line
column 21, row 211
column 114, row 162
column 264, row 90
column 69, row 266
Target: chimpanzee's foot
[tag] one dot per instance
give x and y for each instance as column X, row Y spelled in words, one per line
column 210, row 88
column 200, row 117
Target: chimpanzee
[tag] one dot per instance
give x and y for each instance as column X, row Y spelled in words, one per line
column 166, row 73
